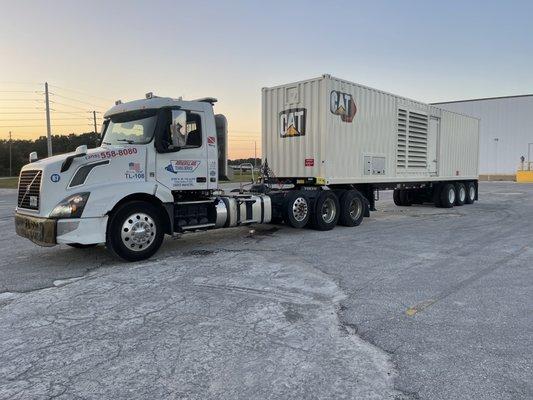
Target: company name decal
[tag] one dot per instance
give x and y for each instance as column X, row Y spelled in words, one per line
column 292, row 122
column 342, row 104
column 179, row 166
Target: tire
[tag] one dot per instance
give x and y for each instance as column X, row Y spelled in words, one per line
column 406, row 197
column 396, row 197
column 135, row 231
column 296, row 209
column 326, row 211
column 82, row 246
column 447, row 195
column 460, row 191
column 352, row 208
column 470, row 193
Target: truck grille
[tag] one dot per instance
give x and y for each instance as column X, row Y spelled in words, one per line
column 29, row 189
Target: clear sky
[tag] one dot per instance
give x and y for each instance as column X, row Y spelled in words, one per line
column 95, row 52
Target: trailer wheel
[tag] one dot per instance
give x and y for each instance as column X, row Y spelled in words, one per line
column 326, row 212
column 460, row 191
column 406, row 197
column 447, row 195
column 470, row 193
column 135, row 231
column 352, row 208
column 296, row 209
column 396, row 197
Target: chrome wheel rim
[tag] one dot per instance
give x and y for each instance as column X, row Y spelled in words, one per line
column 462, row 194
column 328, row 211
column 299, row 209
column 138, row 231
column 355, row 209
column 472, row 192
column 451, row 196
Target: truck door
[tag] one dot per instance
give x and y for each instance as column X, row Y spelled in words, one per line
column 186, row 169
column 433, row 143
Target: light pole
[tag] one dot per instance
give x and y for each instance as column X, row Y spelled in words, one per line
column 496, row 140
column 10, row 169
column 529, row 161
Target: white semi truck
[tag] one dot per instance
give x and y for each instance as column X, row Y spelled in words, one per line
column 329, row 146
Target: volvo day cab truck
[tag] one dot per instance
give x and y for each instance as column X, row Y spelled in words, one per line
column 329, row 147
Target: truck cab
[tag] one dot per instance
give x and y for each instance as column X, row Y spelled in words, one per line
column 156, row 172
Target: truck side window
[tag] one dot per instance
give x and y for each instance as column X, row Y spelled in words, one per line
column 194, row 130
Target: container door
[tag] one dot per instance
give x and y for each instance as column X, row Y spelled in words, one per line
column 433, row 142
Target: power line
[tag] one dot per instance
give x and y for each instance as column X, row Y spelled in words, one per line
column 68, row 105
column 79, row 92
column 73, row 99
column 21, row 91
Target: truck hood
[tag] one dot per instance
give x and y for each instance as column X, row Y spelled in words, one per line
column 100, row 166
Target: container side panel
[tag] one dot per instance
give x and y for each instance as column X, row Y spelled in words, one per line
column 459, row 146
column 291, row 129
column 363, row 138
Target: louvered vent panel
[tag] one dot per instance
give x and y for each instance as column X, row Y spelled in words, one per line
column 417, row 147
column 401, row 155
column 412, row 140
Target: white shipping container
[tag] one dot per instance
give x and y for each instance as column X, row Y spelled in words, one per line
column 338, row 132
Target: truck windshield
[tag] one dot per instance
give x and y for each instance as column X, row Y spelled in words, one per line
column 134, row 127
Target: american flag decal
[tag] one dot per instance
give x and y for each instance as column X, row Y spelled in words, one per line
column 135, row 167
column 211, row 140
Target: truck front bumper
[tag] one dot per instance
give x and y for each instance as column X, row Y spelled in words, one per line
column 49, row 232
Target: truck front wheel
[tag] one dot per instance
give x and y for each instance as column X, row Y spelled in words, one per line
column 135, row 231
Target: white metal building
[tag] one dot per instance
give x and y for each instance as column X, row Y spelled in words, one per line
column 506, row 130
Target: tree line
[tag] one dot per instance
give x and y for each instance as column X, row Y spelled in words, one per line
column 20, row 149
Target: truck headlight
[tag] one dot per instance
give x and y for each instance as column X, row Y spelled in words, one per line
column 71, row 207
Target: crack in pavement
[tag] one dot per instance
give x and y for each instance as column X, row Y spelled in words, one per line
column 258, row 328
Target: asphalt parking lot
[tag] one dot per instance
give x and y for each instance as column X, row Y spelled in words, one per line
column 416, row 303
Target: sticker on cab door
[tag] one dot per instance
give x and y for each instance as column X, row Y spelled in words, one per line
column 292, row 122
column 179, row 166
column 343, row 105
column 134, row 171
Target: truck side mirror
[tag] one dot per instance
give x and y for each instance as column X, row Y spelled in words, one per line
column 178, row 129
column 33, row 156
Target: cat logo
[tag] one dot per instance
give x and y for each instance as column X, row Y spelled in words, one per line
column 342, row 104
column 292, row 122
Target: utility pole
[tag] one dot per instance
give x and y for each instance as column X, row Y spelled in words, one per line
column 10, row 169
column 94, row 121
column 48, row 129
column 255, row 155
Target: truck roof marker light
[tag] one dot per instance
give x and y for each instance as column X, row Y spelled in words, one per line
column 118, row 102
column 149, row 95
